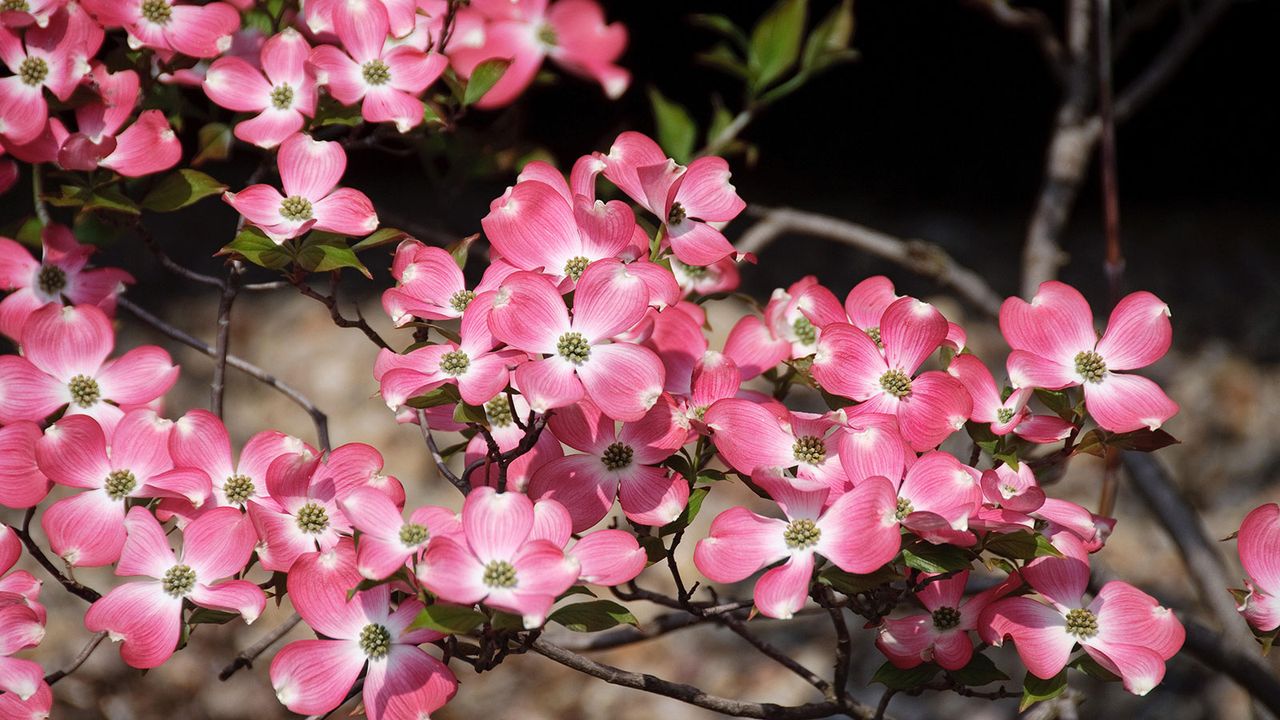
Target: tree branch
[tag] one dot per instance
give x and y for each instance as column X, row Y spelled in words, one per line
column 76, row 662
column 331, row 301
column 251, row 653
column 218, row 386
column 441, row 465
column 83, row 592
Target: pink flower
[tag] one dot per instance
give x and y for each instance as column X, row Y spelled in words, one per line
column 147, row 615
column 64, row 364
column 799, row 313
column 719, row 277
column 942, row 633
column 622, row 379
column 10, row 548
column 539, row 224
column 21, row 627
column 605, row 557
column 573, row 33
column 929, row 406
column 502, row 425
column 282, row 92
column 22, row 483
column 754, row 348
column 1054, row 346
column 675, row 335
column 387, row 541
column 685, row 199
column 750, row 436
column 61, row 274
column 741, row 542
column 310, row 171
column 1259, row 546
column 32, row 11
column 37, row 707
column 402, row 15
column 200, row 440
column 147, row 146
column 498, row 564
column 866, row 302
column 1003, row 415
column 53, row 57
column 384, row 77
column 715, row 377
column 616, row 464
column 314, row 676
column 1123, row 629
column 198, row 31
column 88, row 529
column 429, row 285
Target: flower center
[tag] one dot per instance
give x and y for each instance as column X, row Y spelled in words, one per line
column 375, row 641
column 14, row 6
column 499, row 411
column 617, row 456
column 874, row 334
column 896, row 383
column 500, row 574
column 33, row 71
column 120, row 483
column 157, row 11
column 677, row 214
column 573, row 347
column 1082, row 623
column 809, row 449
column 454, row 363
column 52, row 279
column 805, row 331
column 574, row 267
column 312, row 518
column 801, row 534
column 547, row 35
column 413, row 534
column 1090, row 366
column 296, row 208
column 945, row 618
column 84, row 391
column 461, row 299
column 1004, row 414
column 178, row 580
column 238, row 488
column 376, row 72
column 904, row 509
column 282, row 96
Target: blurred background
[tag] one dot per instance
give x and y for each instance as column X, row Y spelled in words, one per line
column 938, row 131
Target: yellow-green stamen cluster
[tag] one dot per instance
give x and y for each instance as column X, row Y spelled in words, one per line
column 312, row 518
column 809, row 449
column 617, row 456
column 498, row 411
column 1082, row 623
column 904, row 509
column 157, row 11
column 547, row 35
column 499, row 574
column 677, row 214
column 454, row 363
column 945, row 618
column 376, row 72
column 874, row 334
column 896, row 383
column 574, row 267
column 375, row 641
column 282, row 96
column 1004, row 414
column 805, row 331
column 801, row 534
column 413, row 534
column 178, row 580
column 1090, row 366
column 296, row 208
column 33, row 71
column 573, row 347
column 52, row 279
column 120, row 483
column 696, row 272
column 14, row 6
column 84, row 391
column 461, row 299
column 238, row 488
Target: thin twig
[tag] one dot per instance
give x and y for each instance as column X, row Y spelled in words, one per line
column 441, row 465
column 218, row 386
column 844, row 644
column 251, row 653
column 335, row 313
column 79, row 659
column 768, row 650
column 37, row 194
column 318, row 418
column 83, row 592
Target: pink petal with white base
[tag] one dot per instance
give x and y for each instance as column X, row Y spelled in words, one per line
column 706, row 193
column 347, row 212
column 1056, row 324
column 236, row 596
column 218, row 544
column 496, row 524
column 528, row 313
column 22, row 483
column 624, row 380
column 608, row 557
column 1039, row 633
column 858, row 530
column 144, row 617
column 652, row 495
column 86, row 530
column 1138, row 333
column 581, row 483
column 910, row 331
column 697, row 243
column 139, row 376
column 1124, row 403
column 1259, row 546
column 782, row 591
column 608, row 300
column 408, row 684
column 146, row 551
column 740, row 543
column 147, row 146
column 753, row 348
column 548, row 384
column 937, row 406
column 750, row 436
column 313, row 676
column 67, row 341
column 848, row 363
column 532, row 225
column 310, row 168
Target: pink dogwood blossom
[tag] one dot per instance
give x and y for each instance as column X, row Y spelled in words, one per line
column 941, row 634
column 501, row 414
column 282, row 92
column 147, row 615
column 605, row 557
column 1259, row 546
column 1054, row 346
column 53, row 57
column 20, row 628
column 22, row 483
column 170, row 26
column 309, row 170
column 429, row 285
column 750, row 436
column 387, row 541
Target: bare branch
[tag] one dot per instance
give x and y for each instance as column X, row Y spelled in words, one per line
column 1030, row 21
column 331, row 301
column 230, row 288
column 251, row 653
column 441, row 465
column 78, row 660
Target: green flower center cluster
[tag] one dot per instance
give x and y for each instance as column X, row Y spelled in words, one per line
column 296, row 208
column 375, row 641
column 617, row 456
column 499, row 574
column 33, row 71
column 14, row 6
column 1090, row 366
column 238, row 488
column 282, row 96
column 120, row 483
column 454, row 363
column 896, row 383
column 312, row 518
column 461, row 299
column 805, row 331
column 157, row 11
column 1082, row 623
column 874, row 334
column 547, row 35
column 801, row 534
column 376, row 72
column 904, row 509
column 574, row 267
column 413, row 534
column 809, row 449
column 52, row 279
column 945, row 618
column 697, row 272
column 178, row 580
column 84, row 391
column 677, row 214
column 499, row 411
column 1004, row 414
column 573, row 347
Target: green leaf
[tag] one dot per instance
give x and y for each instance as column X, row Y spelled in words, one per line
column 443, row 395
column 980, row 671
column 483, row 78
column 1093, row 668
column 1059, row 402
column 205, row 616
column 723, row 58
column 462, row 249
column 677, row 132
column 383, row 236
column 690, row 512
column 1143, row 440
column 593, row 616
column 111, row 199
column 722, row 26
column 654, row 549
column 464, row 413
column 253, row 245
column 851, row 584
column 322, row 253
column 451, row 619
column 1091, row 444
column 68, row 196
column 1022, row 546
column 830, row 39
column 180, row 189
column 213, row 142
column 775, row 42
column 1036, row 690
column 930, row 558
column 897, row 679
column 576, row 590
column 507, row 621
